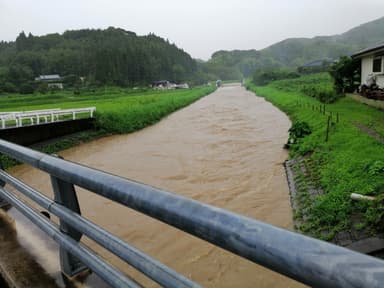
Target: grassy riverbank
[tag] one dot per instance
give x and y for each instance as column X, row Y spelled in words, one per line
column 351, row 161
column 118, row 110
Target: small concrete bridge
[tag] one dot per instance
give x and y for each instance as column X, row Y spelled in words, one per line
column 36, row 117
column 31, row 127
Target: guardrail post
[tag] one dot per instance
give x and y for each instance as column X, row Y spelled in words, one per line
column 65, row 194
column 3, row 203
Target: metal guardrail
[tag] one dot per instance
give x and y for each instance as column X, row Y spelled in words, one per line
column 310, row 261
column 34, row 117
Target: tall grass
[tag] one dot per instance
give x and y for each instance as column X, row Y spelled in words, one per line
column 319, row 86
column 126, row 115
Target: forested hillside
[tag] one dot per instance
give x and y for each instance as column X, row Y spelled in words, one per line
column 103, row 57
column 118, row 57
column 291, row 53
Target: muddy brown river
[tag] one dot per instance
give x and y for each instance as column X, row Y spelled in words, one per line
column 225, row 150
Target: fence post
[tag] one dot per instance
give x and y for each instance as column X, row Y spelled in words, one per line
column 65, row 194
column 327, row 131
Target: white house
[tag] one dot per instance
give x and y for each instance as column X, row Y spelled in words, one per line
column 372, row 64
column 53, row 81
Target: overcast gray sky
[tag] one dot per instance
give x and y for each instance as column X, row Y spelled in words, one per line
column 200, row 27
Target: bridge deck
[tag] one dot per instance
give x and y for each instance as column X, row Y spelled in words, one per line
column 36, row 117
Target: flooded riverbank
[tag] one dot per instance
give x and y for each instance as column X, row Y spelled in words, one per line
column 225, row 150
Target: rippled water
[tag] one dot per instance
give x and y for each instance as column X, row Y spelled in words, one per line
column 225, row 150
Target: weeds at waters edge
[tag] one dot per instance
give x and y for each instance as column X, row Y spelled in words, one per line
column 117, row 112
column 122, row 116
column 340, row 166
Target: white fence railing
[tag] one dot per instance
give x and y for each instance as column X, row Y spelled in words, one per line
column 15, row 119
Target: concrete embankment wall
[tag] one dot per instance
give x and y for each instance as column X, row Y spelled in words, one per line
column 17, row 267
column 29, row 135
column 370, row 102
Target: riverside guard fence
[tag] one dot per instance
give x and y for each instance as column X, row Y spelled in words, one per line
column 310, row 261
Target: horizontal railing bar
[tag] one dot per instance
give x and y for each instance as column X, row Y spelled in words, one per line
column 142, row 262
column 108, row 273
column 305, row 259
column 42, row 113
column 47, row 111
column 10, row 112
column 59, row 112
column 18, row 117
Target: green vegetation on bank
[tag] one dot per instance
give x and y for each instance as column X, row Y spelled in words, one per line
column 123, row 115
column 351, row 161
column 265, row 76
column 319, row 86
column 118, row 110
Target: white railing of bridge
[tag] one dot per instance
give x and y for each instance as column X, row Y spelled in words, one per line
column 15, row 119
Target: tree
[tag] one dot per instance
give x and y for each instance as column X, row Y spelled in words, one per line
column 346, row 74
column 23, row 42
column 104, row 57
column 264, row 76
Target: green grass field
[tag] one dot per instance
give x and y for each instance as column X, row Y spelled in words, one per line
column 118, row 110
column 352, row 161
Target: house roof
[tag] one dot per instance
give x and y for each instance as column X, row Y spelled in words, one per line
column 370, row 50
column 160, row 82
column 48, row 77
column 318, row 62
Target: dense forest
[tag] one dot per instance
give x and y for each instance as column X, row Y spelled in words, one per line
column 100, row 57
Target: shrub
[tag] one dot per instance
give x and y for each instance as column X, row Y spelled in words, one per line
column 264, row 77
column 346, row 74
column 318, row 86
column 298, row 130
column 26, row 88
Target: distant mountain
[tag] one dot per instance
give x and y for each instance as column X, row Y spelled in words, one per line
column 291, row 53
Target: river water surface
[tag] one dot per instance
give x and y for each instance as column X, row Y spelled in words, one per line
column 225, row 150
